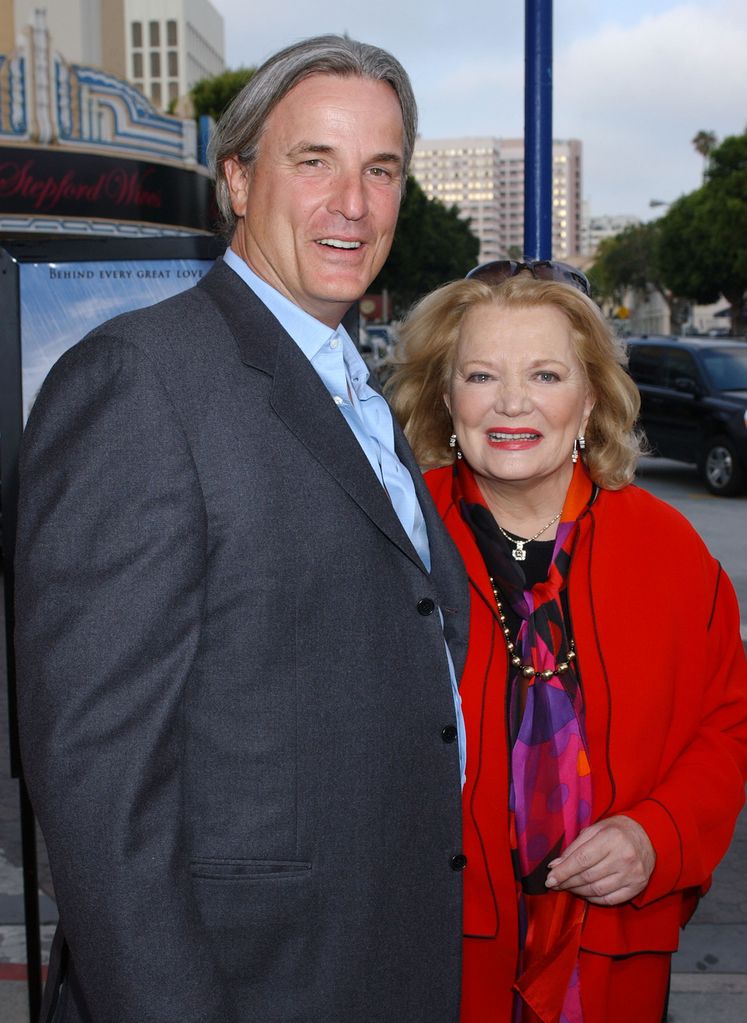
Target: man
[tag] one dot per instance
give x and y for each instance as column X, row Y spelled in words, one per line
column 239, row 618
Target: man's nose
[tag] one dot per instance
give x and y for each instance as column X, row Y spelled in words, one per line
column 349, row 197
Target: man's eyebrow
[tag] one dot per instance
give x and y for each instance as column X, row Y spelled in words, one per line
column 306, row 148
column 302, row 148
column 387, row 158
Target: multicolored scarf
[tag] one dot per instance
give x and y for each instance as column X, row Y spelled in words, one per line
column 550, row 786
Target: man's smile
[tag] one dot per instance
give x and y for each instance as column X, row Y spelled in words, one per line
column 338, row 243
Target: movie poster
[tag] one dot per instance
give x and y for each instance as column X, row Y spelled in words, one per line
column 62, row 302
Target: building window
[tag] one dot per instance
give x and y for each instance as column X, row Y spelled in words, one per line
column 137, row 33
column 155, row 33
column 137, row 65
column 155, row 93
column 173, row 59
column 173, row 91
column 155, row 64
column 171, row 33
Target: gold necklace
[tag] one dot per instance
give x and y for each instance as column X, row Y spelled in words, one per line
column 526, row 669
column 518, row 553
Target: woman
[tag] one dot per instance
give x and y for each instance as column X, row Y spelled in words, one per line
column 605, row 690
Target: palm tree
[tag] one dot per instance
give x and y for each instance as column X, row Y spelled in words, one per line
column 705, row 143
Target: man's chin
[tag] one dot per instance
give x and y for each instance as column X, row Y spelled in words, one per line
column 343, row 295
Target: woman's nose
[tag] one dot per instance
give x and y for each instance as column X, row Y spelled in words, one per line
column 512, row 399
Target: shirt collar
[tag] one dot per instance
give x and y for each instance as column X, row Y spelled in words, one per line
column 310, row 334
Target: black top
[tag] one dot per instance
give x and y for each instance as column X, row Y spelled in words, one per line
column 488, row 537
column 536, row 565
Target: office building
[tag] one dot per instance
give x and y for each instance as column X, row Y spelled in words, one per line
column 484, row 178
column 171, row 45
column 596, row 229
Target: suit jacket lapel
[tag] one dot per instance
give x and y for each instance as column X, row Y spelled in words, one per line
column 302, row 401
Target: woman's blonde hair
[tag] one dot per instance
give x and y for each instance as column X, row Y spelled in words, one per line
column 424, row 357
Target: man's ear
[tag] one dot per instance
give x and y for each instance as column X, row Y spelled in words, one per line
column 237, row 179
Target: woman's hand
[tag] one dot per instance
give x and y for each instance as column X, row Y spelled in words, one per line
column 607, row 864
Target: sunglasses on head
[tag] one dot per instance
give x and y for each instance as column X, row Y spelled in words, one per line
column 499, row 270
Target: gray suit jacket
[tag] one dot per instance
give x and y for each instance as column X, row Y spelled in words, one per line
column 233, row 687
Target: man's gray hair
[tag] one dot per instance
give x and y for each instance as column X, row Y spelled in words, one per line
column 240, row 127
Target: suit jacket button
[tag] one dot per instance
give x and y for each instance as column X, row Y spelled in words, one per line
column 449, row 733
column 458, row 862
column 426, row 606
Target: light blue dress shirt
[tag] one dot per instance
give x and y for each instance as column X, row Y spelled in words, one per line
column 343, row 372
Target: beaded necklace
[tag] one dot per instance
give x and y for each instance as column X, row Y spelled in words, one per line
column 526, row 669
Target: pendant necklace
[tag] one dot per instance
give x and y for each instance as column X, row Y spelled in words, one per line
column 518, row 553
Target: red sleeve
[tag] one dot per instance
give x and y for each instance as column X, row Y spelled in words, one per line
column 690, row 815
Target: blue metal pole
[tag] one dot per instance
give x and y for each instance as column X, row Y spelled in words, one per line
column 538, row 130
column 205, row 125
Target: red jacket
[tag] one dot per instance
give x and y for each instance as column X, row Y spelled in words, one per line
column 664, row 675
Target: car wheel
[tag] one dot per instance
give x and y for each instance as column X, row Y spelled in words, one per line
column 722, row 473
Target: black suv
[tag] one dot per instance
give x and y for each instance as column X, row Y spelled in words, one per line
column 694, row 404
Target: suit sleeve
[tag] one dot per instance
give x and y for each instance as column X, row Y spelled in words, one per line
column 110, row 588
column 690, row 815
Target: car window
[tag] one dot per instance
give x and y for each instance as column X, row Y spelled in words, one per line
column 726, row 368
column 677, row 364
column 645, row 364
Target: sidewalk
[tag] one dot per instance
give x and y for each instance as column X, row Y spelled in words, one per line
column 709, row 973
column 13, row 986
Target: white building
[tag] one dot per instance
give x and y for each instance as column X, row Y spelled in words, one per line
column 484, row 178
column 595, row 229
column 162, row 46
column 171, row 45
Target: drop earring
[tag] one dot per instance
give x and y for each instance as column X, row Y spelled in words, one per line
column 453, row 444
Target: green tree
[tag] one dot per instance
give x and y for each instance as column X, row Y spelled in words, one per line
column 212, row 95
column 432, row 245
column 705, row 142
column 629, row 261
column 702, row 249
column 625, row 261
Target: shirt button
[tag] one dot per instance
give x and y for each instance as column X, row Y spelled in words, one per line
column 449, row 733
column 426, row 607
column 458, row 862
column 338, row 400
column 334, row 343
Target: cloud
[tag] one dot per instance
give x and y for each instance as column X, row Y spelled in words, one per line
column 637, row 96
column 633, row 81
column 431, row 33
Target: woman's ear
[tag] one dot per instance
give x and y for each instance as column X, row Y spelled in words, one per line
column 588, row 408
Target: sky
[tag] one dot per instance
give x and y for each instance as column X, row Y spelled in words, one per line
column 633, row 79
